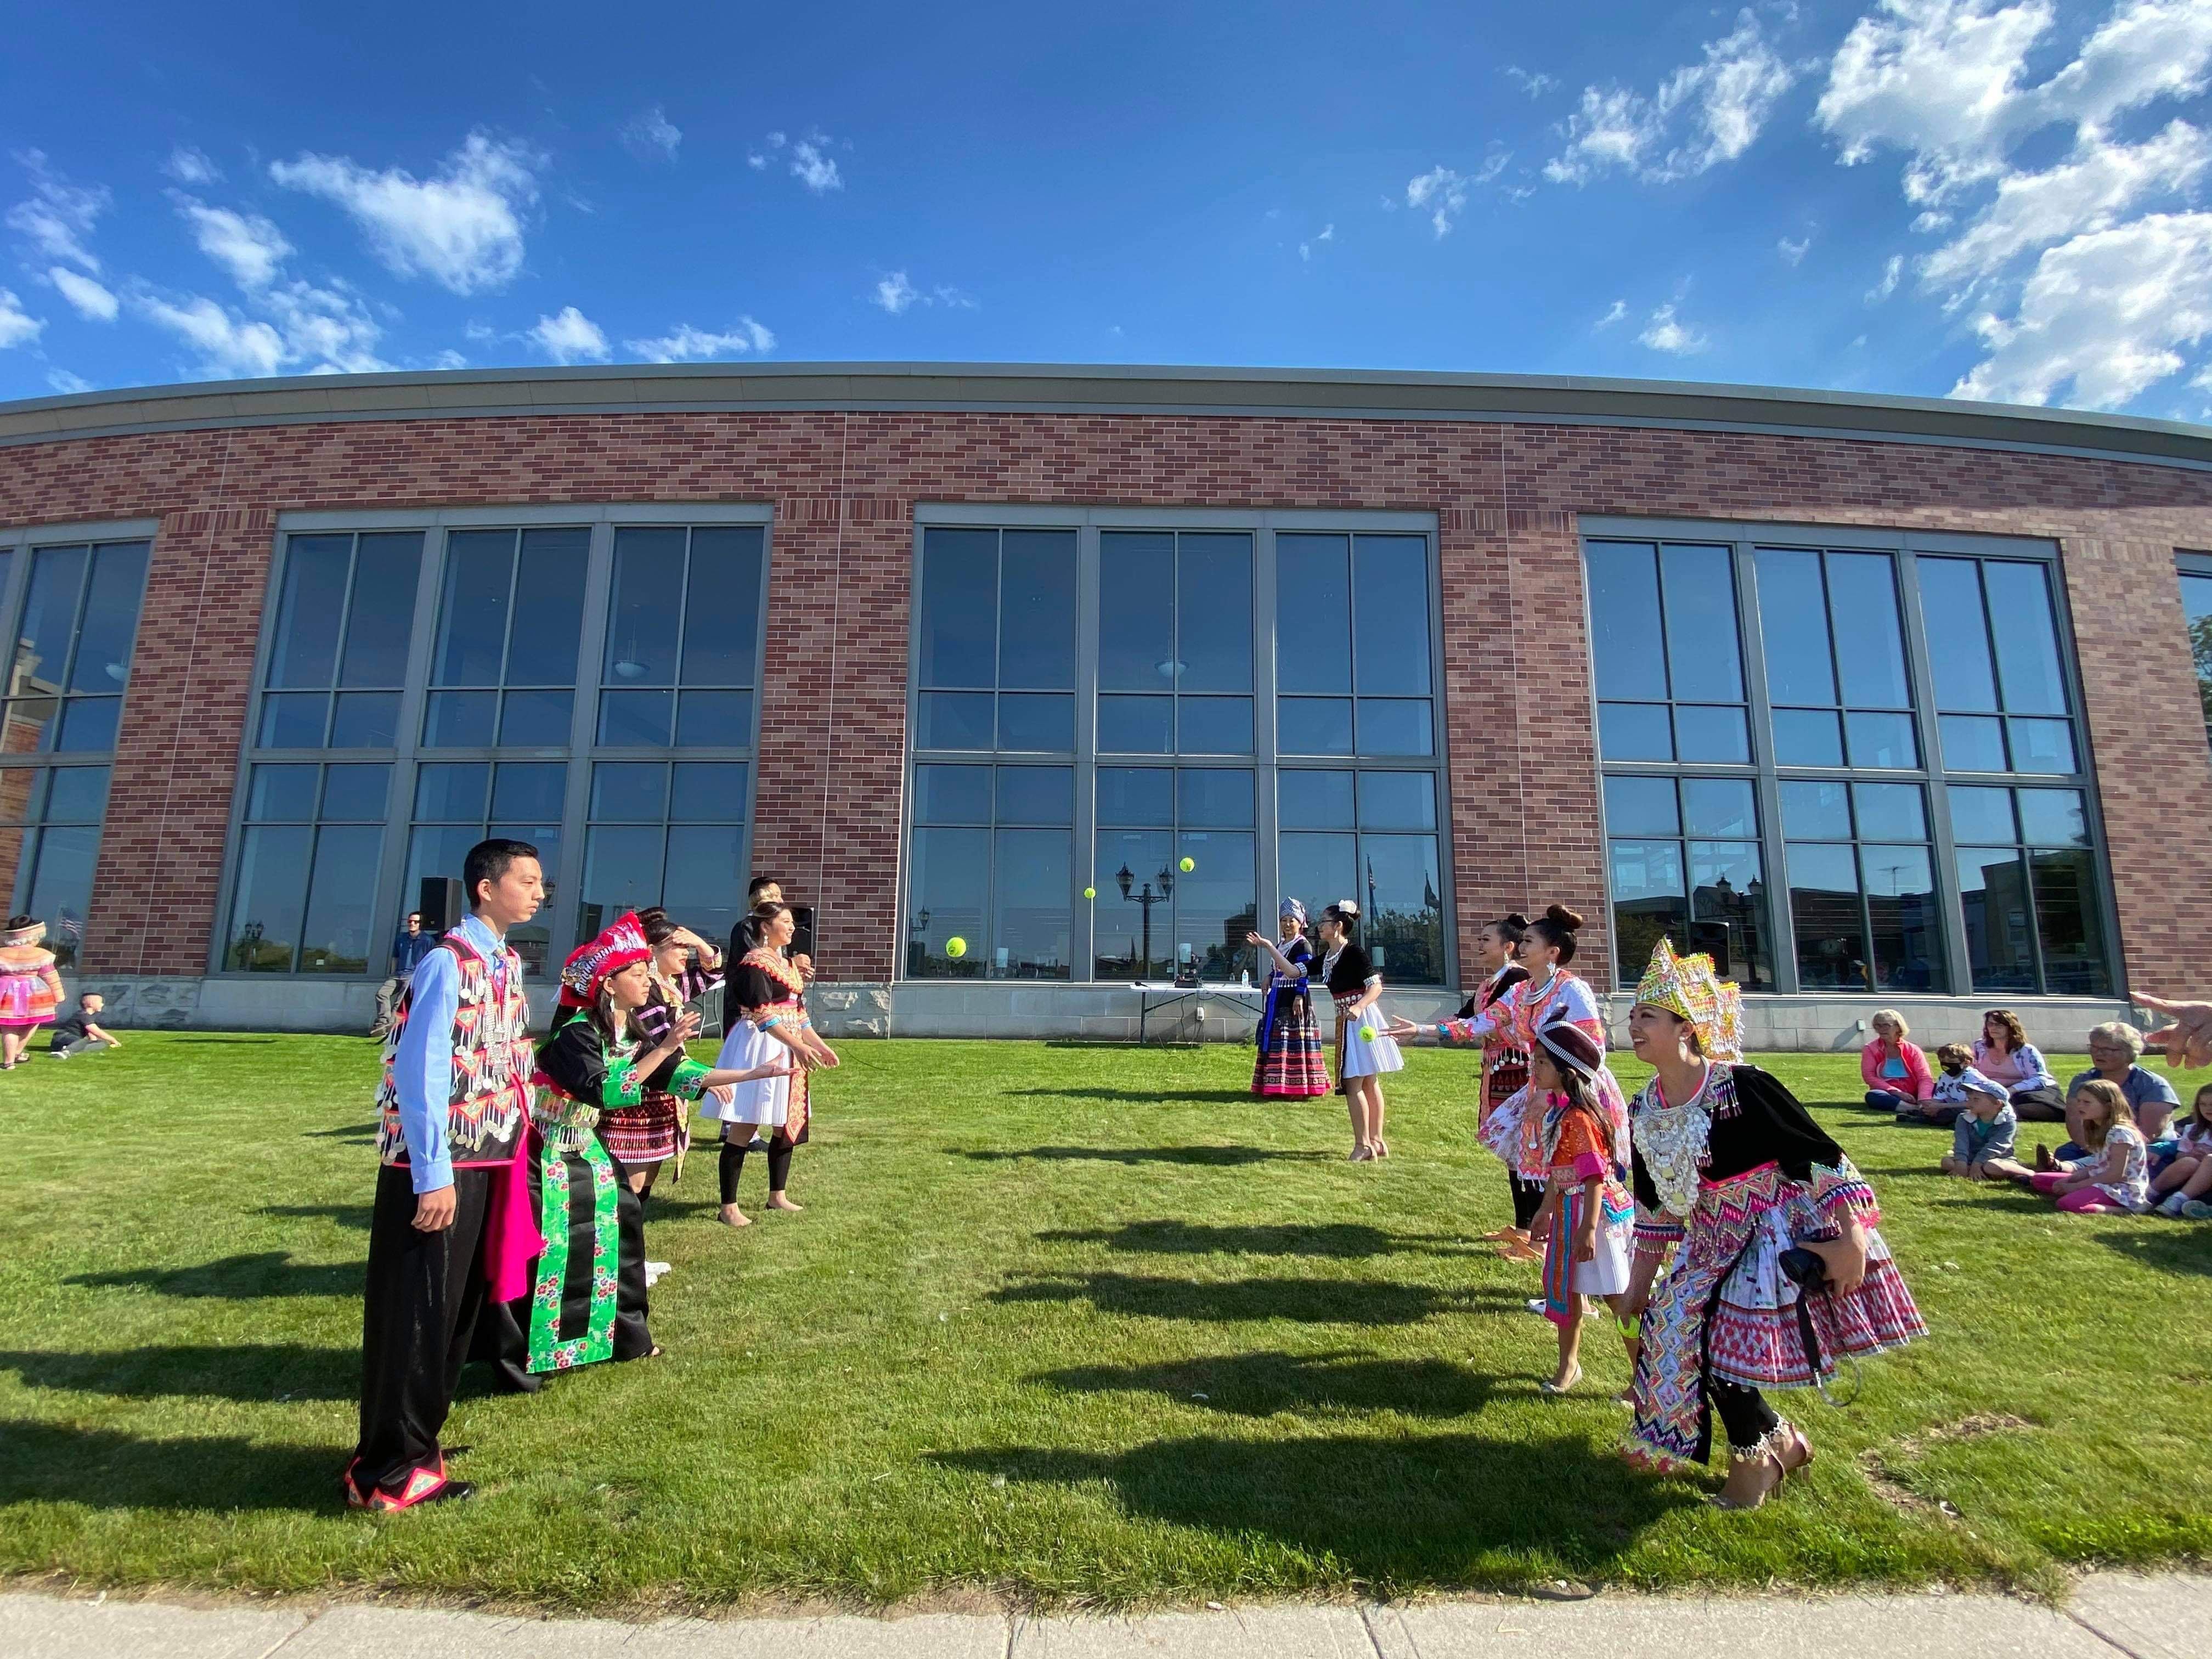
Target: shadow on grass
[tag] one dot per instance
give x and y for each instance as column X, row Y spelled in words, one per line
column 1390, row 1511
column 1351, row 1241
column 1144, row 1096
column 52, row 1463
column 1261, row 1385
column 236, row 1278
column 355, row 1216
column 354, row 1134
column 230, row 1042
column 2183, row 1247
column 253, row 1372
column 1240, row 1301
column 1216, row 1157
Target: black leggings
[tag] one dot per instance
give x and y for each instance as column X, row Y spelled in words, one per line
column 733, row 1165
column 1746, row 1417
column 1528, row 1198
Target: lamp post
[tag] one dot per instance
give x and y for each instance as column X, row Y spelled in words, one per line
column 1125, row 879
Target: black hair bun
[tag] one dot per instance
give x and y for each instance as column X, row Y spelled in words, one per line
column 1515, row 919
column 1559, row 916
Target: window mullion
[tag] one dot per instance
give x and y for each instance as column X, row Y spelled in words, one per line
column 583, row 731
column 1775, row 855
column 1084, row 872
column 1920, row 667
column 1266, row 863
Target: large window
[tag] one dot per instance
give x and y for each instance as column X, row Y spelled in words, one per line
column 1098, row 702
column 2196, row 604
column 1807, row 745
column 426, row 684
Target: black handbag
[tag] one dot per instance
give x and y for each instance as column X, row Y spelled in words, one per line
column 1809, row 1274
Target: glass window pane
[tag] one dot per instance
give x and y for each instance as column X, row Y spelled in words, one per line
column 1395, row 725
column 2196, row 604
column 714, row 719
column 1807, row 736
column 1140, row 795
column 1882, row 740
column 1136, row 611
column 529, row 792
column 459, row 720
column 622, row 872
column 629, row 792
column 1973, row 743
column 721, row 609
column 1993, row 895
column 1824, row 905
column 1035, row 794
column 1404, row 925
column 61, row 886
column 452, row 792
column 1314, row 800
column 954, row 720
column 1134, row 726
column 2053, row 817
column 704, row 886
column 1313, row 725
column 951, row 794
column 1728, row 911
column 549, row 607
column 1908, row 945
column 640, row 719
column 382, row 617
column 1624, row 601
column 1649, row 901
column 76, row 794
column 1036, row 720
column 948, row 887
column 1816, row 809
column 1318, row 869
column 280, row 792
column 1869, row 631
column 957, row 617
column 108, row 625
column 264, row 913
column 536, row 719
column 1641, row 806
column 335, row 937
column 2027, row 637
column 1958, row 635
column 2043, row 747
column 472, row 609
column 88, row 724
column 436, row 850
column 1133, row 937
column 1313, row 616
column 1213, row 598
column 1397, row 800
column 288, row 719
column 1031, row 918
column 11, row 845
column 1890, row 811
column 1982, row 816
column 356, row 791
column 642, row 613
column 303, row 651
column 1213, row 799
column 365, row 719
column 1711, row 735
column 1703, row 655
column 31, row 720
column 1719, row 806
column 1634, row 731
column 1036, row 611
column 2071, row 925
column 1793, row 621
column 1214, row 725
column 1390, row 576
column 709, row 792
column 1217, row 901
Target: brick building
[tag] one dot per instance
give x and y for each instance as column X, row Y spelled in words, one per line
column 1883, row 701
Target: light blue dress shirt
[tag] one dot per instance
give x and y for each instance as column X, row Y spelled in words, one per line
column 422, row 1069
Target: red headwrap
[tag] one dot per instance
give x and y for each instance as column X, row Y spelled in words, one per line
column 618, row 944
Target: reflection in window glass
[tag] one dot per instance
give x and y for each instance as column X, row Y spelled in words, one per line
column 1711, row 736
column 1958, row 635
column 1623, row 599
column 2197, row 605
column 1635, row 731
column 1999, row 924
column 1728, row 911
column 1900, row 889
column 1793, row 620
column 1404, row 918
column 1869, row 631
column 2027, row 633
column 1390, row 605
column 1703, row 660
column 1313, row 725
column 1649, row 902
column 1641, row 806
column 1312, row 617
column 1826, row 919
column 2069, row 925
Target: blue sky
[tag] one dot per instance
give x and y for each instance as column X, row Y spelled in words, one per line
column 1991, row 198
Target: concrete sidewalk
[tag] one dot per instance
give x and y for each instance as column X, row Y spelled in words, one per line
column 2149, row 1617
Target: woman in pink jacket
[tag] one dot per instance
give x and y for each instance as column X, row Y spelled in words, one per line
column 1897, row 1073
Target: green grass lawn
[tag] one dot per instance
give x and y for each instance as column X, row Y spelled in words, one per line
column 1065, row 1323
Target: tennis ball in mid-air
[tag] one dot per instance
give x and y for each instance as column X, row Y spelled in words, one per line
column 1091, row 892
column 1367, row 1033
column 955, row 946
column 1189, row 865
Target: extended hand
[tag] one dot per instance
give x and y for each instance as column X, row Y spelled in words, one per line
column 684, row 1028
column 2188, row 1040
column 434, row 1211
column 1847, row 1261
column 828, row 1057
column 724, row 1093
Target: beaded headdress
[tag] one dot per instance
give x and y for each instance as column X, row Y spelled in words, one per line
column 1688, row 988
column 1294, row 911
column 20, row 936
column 618, row 945
column 1570, row 1045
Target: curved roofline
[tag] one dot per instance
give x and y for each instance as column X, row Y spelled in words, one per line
column 1095, row 388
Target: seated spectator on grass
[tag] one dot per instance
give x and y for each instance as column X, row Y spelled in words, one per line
column 1987, row 1126
column 2005, row 1055
column 2115, row 1175
column 2114, row 1048
column 80, row 1033
column 2184, row 1188
column 1895, row 1071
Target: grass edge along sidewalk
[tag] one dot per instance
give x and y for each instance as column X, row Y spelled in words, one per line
column 1067, row 1326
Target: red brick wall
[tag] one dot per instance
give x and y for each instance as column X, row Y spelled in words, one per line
column 1522, row 775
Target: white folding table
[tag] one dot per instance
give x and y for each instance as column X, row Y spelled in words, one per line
column 1171, row 994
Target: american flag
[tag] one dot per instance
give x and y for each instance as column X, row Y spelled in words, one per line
column 72, row 928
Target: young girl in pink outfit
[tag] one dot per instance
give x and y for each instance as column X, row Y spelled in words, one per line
column 2115, row 1176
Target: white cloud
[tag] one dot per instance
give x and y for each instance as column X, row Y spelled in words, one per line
column 66, row 383
column 449, row 359
column 1701, row 115
column 1890, row 274
column 1794, row 252
column 290, row 325
column 462, row 227
column 757, row 162
column 1665, row 332
column 812, row 167
column 1534, row 85
column 568, row 336
column 1441, row 190
column 17, row 326
column 687, row 344
column 189, row 165
column 229, row 346
column 651, row 133
column 1328, row 235
column 93, row 300
column 1613, row 313
column 58, row 216
column 246, row 245
column 895, row 294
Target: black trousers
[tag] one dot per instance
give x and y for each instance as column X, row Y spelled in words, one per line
column 1528, row 1198
column 419, row 1311
column 1746, row 1417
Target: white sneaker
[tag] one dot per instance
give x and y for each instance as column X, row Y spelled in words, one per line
column 653, row 1270
column 2171, row 1205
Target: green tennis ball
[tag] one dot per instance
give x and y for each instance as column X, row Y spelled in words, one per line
column 955, row 947
column 1367, row 1033
column 1091, row 892
column 1189, row 865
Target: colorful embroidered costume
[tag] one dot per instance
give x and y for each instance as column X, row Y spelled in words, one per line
column 654, row 1130
column 767, row 992
column 1348, row 971
column 1514, row 1127
column 1576, row 1152
column 1504, row 1074
column 30, row 989
column 1290, row 1065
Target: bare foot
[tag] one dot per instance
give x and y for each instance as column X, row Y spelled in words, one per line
column 731, row 1216
column 779, row 1201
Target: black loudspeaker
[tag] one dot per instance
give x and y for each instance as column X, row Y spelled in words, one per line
column 802, row 934
column 442, row 905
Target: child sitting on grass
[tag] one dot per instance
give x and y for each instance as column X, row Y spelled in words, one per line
column 2115, row 1177
column 1986, row 1126
column 82, row 1035
column 2185, row 1186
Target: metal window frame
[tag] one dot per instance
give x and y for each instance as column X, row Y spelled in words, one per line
column 2189, row 563
column 1267, row 766
column 1932, row 775
column 409, row 753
